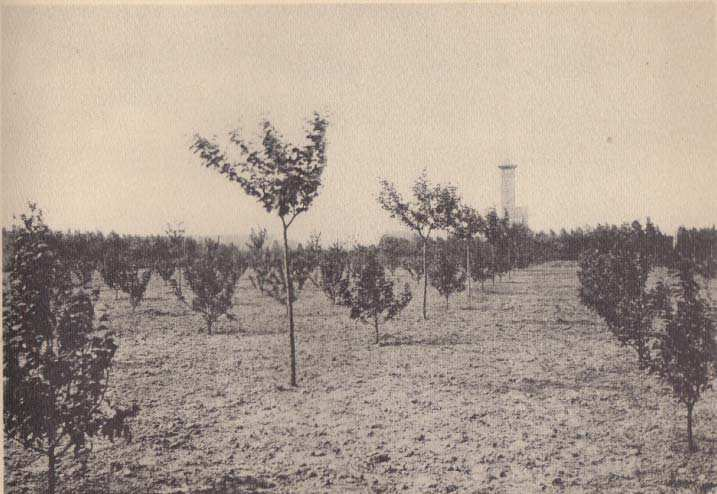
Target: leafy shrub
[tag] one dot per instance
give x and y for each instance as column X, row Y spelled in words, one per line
column 370, row 294
column 672, row 335
column 445, row 273
column 259, row 258
column 334, row 270
column 212, row 276
column 134, row 281
column 688, row 350
column 56, row 361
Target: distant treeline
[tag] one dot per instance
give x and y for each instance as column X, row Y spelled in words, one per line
column 501, row 247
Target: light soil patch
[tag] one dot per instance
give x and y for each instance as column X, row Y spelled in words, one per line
column 526, row 393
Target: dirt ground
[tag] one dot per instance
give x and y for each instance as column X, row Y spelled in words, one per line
column 527, row 392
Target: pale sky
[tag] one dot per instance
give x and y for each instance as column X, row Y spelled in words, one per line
column 608, row 110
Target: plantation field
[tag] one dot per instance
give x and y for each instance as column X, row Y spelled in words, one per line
column 526, row 393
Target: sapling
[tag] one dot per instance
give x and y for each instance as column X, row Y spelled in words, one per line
column 445, row 274
column 163, row 261
column 212, row 277
column 300, row 271
column 134, row 281
column 688, row 350
column 334, row 272
column 260, row 259
column 480, row 261
column 113, row 262
column 433, row 208
column 468, row 223
column 57, row 361
column 674, row 338
column 370, row 294
column 493, row 233
column 283, row 177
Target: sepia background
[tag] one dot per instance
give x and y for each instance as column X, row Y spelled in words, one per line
column 608, row 110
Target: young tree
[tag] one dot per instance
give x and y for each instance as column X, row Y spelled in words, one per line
column 394, row 251
column 504, row 248
column 305, row 261
column 445, row 274
column 334, row 272
column 480, row 261
column 468, row 224
column 178, row 254
column 678, row 345
column 259, row 258
column 240, row 261
column 134, row 281
column 113, row 262
column 80, row 253
column 433, row 208
column 56, row 361
column 283, row 177
column 163, row 261
column 493, row 235
column 212, row 277
column 311, row 256
column 301, row 268
column 370, row 296
column 688, row 349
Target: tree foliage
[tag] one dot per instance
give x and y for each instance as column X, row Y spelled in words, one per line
column 212, row 276
column 688, row 348
column 134, row 280
column 434, row 207
column 370, row 294
column 283, row 177
column 57, row 361
column 445, row 274
column 669, row 329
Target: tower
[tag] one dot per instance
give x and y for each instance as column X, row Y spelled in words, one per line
column 507, row 190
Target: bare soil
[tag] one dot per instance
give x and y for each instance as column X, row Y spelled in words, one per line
column 526, row 392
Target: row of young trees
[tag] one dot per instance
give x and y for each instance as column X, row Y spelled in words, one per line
column 668, row 324
column 51, row 318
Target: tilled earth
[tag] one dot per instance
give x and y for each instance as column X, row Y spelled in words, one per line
column 525, row 392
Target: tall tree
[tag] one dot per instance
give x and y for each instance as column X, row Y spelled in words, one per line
column 433, row 208
column 284, row 178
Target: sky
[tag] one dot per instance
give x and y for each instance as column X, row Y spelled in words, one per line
column 609, row 110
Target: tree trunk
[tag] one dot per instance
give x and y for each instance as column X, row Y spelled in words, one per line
column 468, row 269
column 51, row 477
column 289, row 305
column 425, row 278
column 209, row 326
column 375, row 323
column 50, row 417
column 690, row 440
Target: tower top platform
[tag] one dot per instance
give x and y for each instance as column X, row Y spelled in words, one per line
column 507, row 166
